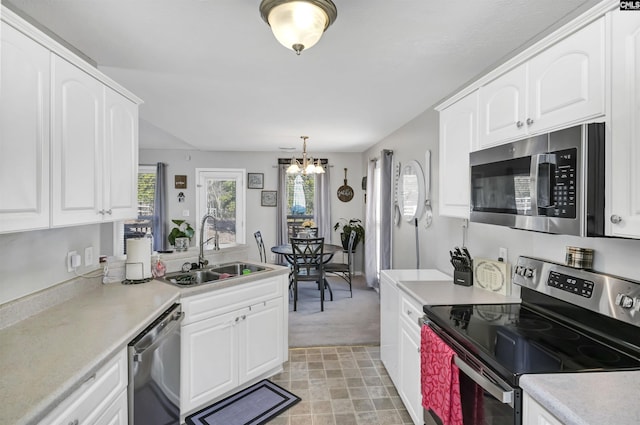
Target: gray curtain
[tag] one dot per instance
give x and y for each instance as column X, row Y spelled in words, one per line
column 378, row 239
column 282, row 236
column 160, row 209
column 322, row 204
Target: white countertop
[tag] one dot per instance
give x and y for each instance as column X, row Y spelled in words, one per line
column 596, row 398
column 416, row 275
column 440, row 292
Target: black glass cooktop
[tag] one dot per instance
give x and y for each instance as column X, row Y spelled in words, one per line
column 514, row 340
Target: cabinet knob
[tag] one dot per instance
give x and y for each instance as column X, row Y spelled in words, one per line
column 74, row 422
column 109, row 211
column 244, row 317
column 101, row 212
column 616, row 219
column 519, row 124
column 408, row 312
column 529, row 121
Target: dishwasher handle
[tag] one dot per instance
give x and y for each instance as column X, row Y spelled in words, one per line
column 166, row 328
column 503, row 396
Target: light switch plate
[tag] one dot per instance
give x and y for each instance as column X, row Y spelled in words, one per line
column 185, row 213
column 88, row 256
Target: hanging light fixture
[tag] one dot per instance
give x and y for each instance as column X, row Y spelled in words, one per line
column 298, row 24
column 307, row 166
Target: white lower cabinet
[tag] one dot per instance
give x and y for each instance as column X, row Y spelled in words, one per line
column 102, row 399
column 535, row 414
column 409, row 386
column 389, row 305
column 239, row 341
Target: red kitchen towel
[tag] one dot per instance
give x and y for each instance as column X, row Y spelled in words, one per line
column 440, row 379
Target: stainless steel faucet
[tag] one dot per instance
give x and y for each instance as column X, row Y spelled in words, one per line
column 216, row 240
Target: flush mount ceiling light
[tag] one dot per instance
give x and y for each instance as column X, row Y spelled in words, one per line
column 298, row 24
column 307, row 166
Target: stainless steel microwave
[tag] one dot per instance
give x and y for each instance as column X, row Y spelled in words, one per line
column 552, row 183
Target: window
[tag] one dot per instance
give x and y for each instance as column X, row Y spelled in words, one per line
column 138, row 228
column 221, row 193
column 300, row 199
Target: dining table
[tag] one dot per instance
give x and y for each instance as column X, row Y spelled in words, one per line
column 287, row 251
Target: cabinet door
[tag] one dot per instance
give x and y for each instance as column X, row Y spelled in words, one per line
column 502, row 110
column 458, row 133
column 622, row 164
column 534, row 414
column 76, row 145
column 389, row 325
column 209, row 360
column 261, row 339
column 566, row 81
column 120, row 157
column 117, row 413
column 409, row 369
column 24, row 132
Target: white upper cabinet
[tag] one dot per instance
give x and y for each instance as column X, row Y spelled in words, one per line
column 76, row 146
column 560, row 86
column 120, row 156
column 458, row 133
column 623, row 210
column 503, row 104
column 24, row 132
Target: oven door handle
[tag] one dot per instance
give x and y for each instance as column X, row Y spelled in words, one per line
column 503, row 396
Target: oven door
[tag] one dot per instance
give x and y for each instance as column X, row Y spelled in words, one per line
column 485, row 397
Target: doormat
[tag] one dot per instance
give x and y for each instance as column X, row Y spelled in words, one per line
column 255, row 405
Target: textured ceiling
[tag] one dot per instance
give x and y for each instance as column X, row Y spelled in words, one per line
column 214, row 78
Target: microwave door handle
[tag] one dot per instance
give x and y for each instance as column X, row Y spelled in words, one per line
column 503, row 396
column 536, row 162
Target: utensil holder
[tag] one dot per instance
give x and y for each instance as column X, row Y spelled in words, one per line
column 464, row 278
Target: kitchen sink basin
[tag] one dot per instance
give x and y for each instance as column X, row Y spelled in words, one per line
column 237, row 269
column 213, row 274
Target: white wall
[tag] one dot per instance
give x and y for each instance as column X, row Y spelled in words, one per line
column 613, row 256
column 258, row 217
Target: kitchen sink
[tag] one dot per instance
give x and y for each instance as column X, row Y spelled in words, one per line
column 213, row 274
column 236, row 269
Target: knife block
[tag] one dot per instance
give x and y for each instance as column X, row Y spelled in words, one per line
column 464, row 278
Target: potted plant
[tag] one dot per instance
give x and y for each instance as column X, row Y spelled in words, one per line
column 181, row 235
column 346, row 227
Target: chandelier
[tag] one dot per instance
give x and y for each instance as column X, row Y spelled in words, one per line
column 298, row 24
column 307, row 166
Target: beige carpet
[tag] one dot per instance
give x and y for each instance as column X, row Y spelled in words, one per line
column 344, row 321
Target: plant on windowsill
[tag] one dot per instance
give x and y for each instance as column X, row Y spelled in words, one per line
column 181, row 235
column 346, row 227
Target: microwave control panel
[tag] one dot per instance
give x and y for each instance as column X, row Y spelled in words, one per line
column 564, row 188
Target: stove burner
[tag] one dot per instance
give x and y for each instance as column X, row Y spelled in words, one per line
column 562, row 333
column 532, row 325
column 599, row 353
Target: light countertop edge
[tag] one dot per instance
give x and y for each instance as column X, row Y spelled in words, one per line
column 604, row 397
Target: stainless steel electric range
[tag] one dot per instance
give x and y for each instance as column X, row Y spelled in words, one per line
column 570, row 320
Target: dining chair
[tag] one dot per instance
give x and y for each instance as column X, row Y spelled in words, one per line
column 261, row 250
column 308, row 266
column 344, row 269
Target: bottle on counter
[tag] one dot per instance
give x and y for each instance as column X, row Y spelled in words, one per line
column 159, row 268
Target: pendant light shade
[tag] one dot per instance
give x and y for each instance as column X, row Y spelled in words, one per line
column 298, row 24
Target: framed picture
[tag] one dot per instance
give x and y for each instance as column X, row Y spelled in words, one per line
column 255, row 180
column 269, row 198
column 180, row 182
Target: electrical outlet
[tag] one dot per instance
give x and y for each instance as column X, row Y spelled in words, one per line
column 88, row 256
column 273, row 257
column 502, row 253
column 73, row 261
column 185, row 213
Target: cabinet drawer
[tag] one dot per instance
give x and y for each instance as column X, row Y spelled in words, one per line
column 217, row 302
column 410, row 310
column 89, row 401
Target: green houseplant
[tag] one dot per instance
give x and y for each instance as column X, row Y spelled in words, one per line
column 182, row 230
column 346, row 227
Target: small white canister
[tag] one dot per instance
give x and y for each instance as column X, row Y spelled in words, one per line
column 138, row 265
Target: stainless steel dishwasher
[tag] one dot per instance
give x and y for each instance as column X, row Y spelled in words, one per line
column 154, row 372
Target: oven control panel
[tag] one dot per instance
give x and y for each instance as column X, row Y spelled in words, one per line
column 571, row 284
column 611, row 296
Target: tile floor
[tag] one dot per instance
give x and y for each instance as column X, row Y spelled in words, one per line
column 339, row 386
